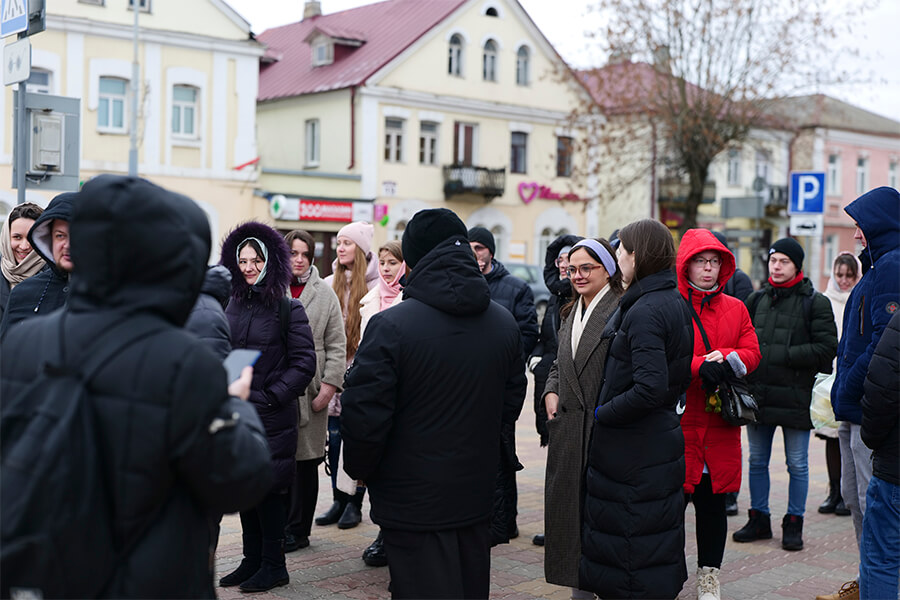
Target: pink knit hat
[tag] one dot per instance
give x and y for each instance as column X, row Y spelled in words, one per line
column 361, row 233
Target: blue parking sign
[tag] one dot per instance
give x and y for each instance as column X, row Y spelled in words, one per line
column 13, row 16
column 807, row 193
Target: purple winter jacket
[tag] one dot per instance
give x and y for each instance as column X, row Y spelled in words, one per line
column 282, row 373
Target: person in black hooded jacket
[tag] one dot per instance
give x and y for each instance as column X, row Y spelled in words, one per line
column 207, row 319
column 633, row 535
column 178, row 447
column 45, row 292
column 434, row 379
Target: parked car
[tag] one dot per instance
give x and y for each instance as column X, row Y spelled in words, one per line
column 533, row 276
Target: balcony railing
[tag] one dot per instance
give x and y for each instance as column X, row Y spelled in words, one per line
column 462, row 180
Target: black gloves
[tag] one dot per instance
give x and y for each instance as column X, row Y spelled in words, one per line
column 714, row 373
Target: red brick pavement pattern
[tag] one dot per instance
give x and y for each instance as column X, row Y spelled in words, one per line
column 332, row 568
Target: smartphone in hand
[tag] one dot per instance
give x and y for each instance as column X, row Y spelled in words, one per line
column 238, row 359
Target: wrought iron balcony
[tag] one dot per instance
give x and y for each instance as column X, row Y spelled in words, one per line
column 463, row 180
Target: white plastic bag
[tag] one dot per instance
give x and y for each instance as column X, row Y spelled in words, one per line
column 820, row 411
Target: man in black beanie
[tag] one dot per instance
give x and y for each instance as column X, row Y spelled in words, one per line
column 426, row 443
column 797, row 338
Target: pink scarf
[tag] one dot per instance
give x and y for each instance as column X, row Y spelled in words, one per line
column 389, row 291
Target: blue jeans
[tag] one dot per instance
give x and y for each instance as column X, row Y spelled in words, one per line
column 796, row 450
column 879, row 566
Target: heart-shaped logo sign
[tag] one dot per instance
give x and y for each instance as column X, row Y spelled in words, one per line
column 528, row 191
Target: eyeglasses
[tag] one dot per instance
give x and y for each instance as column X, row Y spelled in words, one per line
column 699, row 261
column 562, row 260
column 585, row 270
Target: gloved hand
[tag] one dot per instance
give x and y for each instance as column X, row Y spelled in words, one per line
column 713, row 373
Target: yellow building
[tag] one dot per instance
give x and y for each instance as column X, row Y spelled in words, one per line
column 197, row 97
column 377, row 112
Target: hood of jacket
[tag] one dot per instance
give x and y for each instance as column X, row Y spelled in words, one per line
column 877, row 213
column 498, row 270
column 40, row 234
column 448, row 279
column 137, row 246
column 217, row 283
column 278, row 267
column 693, row 242
column 558, row 287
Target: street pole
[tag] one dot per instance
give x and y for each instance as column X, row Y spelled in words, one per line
column 21, row 138
column 135, row 75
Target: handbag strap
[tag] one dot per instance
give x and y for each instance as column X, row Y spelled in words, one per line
column 696, row 318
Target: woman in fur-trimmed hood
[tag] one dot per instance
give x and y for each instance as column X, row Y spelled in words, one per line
column 259, row 261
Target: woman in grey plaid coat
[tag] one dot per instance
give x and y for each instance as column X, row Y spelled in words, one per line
column 573, row 386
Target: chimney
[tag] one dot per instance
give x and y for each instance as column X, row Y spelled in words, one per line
column 662, row 59
column 312, row 8
column 619, row 56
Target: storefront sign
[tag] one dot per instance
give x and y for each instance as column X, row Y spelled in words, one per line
column 298, row 209
column 532, row 190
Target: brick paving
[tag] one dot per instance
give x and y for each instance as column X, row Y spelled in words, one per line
column 331, row 566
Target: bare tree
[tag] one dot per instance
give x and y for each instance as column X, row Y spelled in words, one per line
column 688, row 78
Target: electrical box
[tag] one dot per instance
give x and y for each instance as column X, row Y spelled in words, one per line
column 47, row 142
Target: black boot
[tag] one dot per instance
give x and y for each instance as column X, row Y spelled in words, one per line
column 331, row 516
column 731, row 506
column 375, row 555
column 352, row 515
column 272, row 571
column 248, row 566
column 538, row 540
column 841, row 509
column 295, row 542
column 792, row 532
column 758, row 527
column 831, row 502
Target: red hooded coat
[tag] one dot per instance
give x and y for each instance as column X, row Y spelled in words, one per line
column 707, row 438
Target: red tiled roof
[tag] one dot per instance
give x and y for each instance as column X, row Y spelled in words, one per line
column 629, row 87
column 388, row 28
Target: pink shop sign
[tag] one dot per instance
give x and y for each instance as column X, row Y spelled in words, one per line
column 530, row 191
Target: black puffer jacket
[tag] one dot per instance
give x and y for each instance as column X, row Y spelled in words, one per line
column 207, row 319
column 514, row 295
column 633, row 536
column 423, row 403
column 793, row 351
column 881, row 405
column 45, row 292
column 156, row 399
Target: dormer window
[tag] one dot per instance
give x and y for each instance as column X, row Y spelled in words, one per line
column 322, row 52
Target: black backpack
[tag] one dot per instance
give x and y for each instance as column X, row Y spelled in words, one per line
column 55, row 496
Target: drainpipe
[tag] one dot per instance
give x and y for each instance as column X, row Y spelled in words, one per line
column 352, row 128
column 653, row 200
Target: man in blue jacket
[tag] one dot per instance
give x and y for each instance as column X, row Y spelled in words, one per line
column 870, row 307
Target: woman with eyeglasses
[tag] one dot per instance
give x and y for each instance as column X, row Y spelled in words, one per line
column 712, row 447
column 263, row 318
column 569, row 397
column 632, row 543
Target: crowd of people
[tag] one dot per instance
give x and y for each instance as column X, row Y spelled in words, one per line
column 404, row 372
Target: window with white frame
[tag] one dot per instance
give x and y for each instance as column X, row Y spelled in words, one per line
column 892, row 174
column 393, row 140
column 428, row 138
column 322, row 52
column 762, row 165
column 454, row 65
column 144, row 5
column 734, row 167
column 862, row 175
column 312, row 140
column 499, row 241
column 518, row 153
column 522, row 63
column 111, row 106
column 184, row 111
column 491, row 12
column 564, row 149
column 831, row 252
column 546, row 238
column 489, row 61
column 833, row 175
column 39, row 81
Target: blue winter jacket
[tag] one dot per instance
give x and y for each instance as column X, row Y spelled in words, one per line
column 873, row 301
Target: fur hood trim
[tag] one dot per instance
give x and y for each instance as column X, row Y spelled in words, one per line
column 278, row 267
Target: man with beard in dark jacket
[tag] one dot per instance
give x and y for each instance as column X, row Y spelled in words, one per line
column 179, row 448
column 46, row 291
column 433, row 381
column 514, row 295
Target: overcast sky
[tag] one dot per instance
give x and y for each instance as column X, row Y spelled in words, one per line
column 564, row 21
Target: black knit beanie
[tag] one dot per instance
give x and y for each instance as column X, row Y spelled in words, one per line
column 483, row 237
column 427, row 229
column 792, row 249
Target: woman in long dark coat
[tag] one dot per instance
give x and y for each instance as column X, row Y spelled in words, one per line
column 570, row 395
column 633, row 535
column 259, row 261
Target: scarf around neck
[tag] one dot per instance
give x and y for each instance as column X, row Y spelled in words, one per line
column 389, row 290
column 16, row 273
column 581, row 315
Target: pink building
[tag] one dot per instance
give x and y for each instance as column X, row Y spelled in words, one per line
column 858, row 151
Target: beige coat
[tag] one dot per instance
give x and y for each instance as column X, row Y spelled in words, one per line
column 327, row 324
column 577, row 380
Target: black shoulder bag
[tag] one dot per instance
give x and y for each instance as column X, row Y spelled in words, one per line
column 739, row 407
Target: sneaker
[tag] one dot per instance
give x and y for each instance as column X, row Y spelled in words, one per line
column 708, row 583
column 758, row 527
column 792, row 532
column 848, row 591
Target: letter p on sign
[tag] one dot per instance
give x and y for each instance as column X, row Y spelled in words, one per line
column 807, row 193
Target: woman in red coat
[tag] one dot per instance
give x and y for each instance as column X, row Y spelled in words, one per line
column 712, row 447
